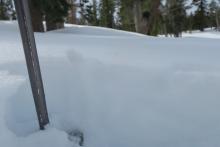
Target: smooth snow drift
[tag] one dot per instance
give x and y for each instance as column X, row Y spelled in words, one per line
column 120, row 89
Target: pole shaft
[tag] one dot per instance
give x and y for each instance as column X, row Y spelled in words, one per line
column 32, row 61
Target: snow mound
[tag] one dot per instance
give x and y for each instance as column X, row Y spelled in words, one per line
column 120, row 89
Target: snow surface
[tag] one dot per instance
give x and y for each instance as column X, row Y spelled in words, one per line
column 120, row 89
column 208, row 33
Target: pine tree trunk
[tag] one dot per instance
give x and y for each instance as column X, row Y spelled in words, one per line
column 36, row 17
column 217, row 22
column 50, row 25
column 72, row 12
column 139, row 21
column 137, row 15
column 154, row 12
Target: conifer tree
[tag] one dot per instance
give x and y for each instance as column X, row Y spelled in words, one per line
column 71, row 18
column 88, row 12
column 95, row 13
column 55, row 12
column 154, row 17
column 201, row 14
column 3, row 10
column 36, row 10
column 126, row 15
column 213, row 14
column 107, row 9
column 189, row 23
column 176, row 15
column 218, row 17
column 82, row 5
column 142, row 15
column 6, row 10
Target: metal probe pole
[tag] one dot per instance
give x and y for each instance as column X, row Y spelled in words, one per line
column 33, row 66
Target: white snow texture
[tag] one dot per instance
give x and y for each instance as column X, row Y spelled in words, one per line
column 120, row 89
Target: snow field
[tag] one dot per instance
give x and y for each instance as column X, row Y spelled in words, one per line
column 120, row 89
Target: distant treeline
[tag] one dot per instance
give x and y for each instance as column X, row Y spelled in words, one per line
column 152, row 17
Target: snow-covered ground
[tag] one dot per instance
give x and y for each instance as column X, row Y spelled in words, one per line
column 208, row 33
column 120, row 89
